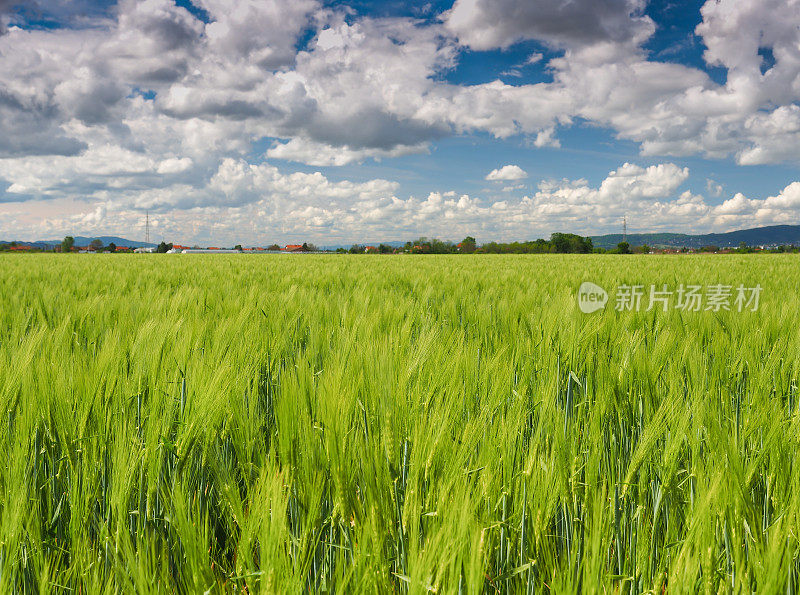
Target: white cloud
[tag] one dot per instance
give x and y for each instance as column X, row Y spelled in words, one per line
column 372, row 88
column 6, row 6
column 488, row 24
column 507, row 173
column 534, row 58
column 547, row 138
column 258, row 204
column 632, row 182
column 313, row 153
column 713, row 188
column 260, row 32
column 174, row 165
column 241, row 183
column 153, row 107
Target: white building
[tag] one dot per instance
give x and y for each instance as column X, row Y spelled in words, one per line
column 202, row 251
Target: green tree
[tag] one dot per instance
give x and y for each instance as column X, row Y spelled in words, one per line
column 67, row 244
column 623, row 248
column 439, row 247
column 96, row 245
column 238, row 247
column 570, row 243
column 112, row 247
column 468, row 245
column 163, row 248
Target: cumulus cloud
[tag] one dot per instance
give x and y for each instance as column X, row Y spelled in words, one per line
column 507, row 173
column 604, row 76
column 373, row 87
column 315, row 153
column 547, row 138
column 242, row 182
column 5, row 8
column 243, row 202
column 632, row 182
column 713, row 188
column 174, row 165
column 238, row 30
column 488, row 24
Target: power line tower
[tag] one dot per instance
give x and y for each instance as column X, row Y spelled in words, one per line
column 147, row 227
column 624, row 228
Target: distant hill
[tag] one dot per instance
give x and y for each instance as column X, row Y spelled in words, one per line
column 772, row 235
column 85, row 241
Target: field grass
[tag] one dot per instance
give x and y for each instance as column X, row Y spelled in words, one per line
column 394, row 424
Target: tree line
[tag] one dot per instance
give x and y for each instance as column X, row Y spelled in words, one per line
column 559, row 243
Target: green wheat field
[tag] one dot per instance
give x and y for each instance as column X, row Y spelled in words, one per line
column 394, row 424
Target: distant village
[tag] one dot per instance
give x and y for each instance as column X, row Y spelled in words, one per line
column 169, row 248
column 97, row 247
column 559, row 243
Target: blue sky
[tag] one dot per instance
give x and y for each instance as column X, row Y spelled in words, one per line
column 345, row 121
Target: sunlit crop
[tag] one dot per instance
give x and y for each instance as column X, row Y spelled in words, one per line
column 181, row 423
